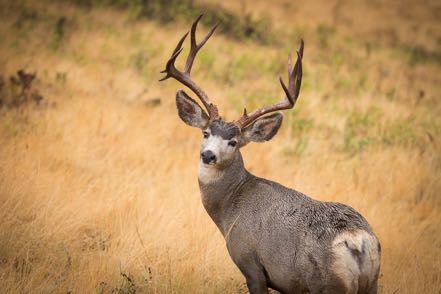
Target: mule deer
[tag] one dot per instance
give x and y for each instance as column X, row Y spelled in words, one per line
column 278, row 237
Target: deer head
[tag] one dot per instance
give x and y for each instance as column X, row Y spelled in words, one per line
column 222, row 139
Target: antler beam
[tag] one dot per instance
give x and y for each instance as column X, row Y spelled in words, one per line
column 184, row 76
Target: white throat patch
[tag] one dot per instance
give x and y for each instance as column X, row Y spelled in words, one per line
column 208, row 174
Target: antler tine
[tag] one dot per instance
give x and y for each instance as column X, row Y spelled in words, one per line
column 194, row 45
column 184, row 76
column 170, row 66
column 295, row 81
column 291, row 92
column 297, row 72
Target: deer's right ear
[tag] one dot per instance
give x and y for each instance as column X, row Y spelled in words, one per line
column 190, row 112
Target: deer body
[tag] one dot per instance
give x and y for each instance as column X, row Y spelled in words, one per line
column 283, row 239
column 278, row 237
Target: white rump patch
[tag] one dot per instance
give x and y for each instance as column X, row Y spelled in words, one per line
column 357, row 259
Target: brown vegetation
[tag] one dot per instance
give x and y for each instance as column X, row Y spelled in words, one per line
column 98, row 182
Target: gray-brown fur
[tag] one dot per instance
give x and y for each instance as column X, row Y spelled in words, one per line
column 279, row 232
column 226, row 130
column 277, row 236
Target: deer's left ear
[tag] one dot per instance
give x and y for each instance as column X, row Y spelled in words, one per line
column 263, row 129
column 190, row 112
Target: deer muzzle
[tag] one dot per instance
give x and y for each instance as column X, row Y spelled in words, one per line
column 208, row 157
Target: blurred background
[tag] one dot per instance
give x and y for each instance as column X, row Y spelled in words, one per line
column 98, row 175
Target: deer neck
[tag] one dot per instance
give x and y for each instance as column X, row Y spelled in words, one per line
column 219, row 187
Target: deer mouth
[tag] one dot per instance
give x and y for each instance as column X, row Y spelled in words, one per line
column 209, row 164
column 212, row 164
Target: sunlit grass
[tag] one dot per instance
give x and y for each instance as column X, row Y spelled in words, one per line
column 99, row 190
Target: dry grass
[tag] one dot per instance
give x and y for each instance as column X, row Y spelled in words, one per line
column 99, row 191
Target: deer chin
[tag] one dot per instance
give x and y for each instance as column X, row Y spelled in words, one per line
column 209, row 173
column 215, row 166
column 210, row 165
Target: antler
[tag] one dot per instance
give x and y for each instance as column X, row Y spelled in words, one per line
column 292, row 92
column 184, row 76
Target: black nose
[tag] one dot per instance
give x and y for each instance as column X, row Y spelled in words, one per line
column 208, row 157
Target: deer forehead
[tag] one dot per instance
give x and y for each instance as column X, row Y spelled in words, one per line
column 215, row 144
column 223, row 129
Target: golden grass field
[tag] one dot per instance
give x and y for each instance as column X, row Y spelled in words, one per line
column 98, row 186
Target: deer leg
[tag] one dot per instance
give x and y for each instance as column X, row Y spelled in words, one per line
column 255, row 277
column 256, row 285
column 374, row 288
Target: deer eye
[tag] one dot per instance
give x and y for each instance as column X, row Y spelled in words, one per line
column 206, row 135
column 232, row 143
